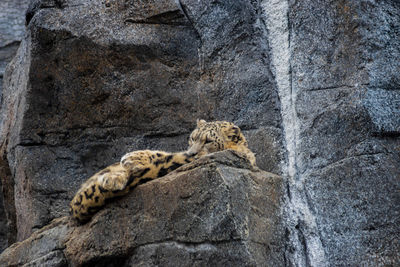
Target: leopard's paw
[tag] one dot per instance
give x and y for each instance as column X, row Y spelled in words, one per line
column 137, row 160
column 115, row 180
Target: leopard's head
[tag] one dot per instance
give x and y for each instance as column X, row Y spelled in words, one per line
column 214, row 136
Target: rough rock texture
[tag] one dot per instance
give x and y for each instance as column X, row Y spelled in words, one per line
column 213, row 212
column 345, row 64
column 94, row 80
column 314, row 85
column 12, row 28
column 3, row 225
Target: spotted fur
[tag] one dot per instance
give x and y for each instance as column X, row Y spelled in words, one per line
column 211, row 137
column 140, row 166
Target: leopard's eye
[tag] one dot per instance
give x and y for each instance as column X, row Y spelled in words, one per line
column 208, row 141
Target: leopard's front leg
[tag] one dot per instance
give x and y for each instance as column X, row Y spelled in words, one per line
column 106, row 184
column 140, row 165
column 127, row 172
column 113, row 178
column 147, row 164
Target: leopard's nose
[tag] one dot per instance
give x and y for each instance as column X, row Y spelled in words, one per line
column 194, row 149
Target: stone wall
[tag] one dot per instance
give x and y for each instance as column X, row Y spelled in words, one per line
column 313, row 84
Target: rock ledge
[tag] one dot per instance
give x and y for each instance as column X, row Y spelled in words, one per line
column 215, row 211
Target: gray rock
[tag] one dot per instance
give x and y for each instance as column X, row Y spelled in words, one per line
column 7, row 52
column 344, row 59
column 12, row 29
column 102, row 79
column 215, row 211
column 11, row 33
column 111, row 122
column 3, row 223
column 348, row 202
column 313, row 84
column 41, row 249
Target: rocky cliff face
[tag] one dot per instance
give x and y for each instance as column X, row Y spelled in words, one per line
column 313, row 84
column 12, row 28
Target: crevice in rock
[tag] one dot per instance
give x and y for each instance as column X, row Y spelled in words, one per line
column 185, row 12
column 301, row 236
column 31, row 144
column 201, row 53
column 36, row 5
column 337, row 163
column 389, row 134
column 8, row 199
column 335, row 87
column 109, row 261
column 10, row 45
column 173, row 18
column 3, row 222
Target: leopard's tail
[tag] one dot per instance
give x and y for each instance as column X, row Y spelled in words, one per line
column 92, row 196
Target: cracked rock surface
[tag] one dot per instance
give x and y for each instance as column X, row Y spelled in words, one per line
column 314, row 85
column 213, row 212
column 93, row 80
column 12, row 28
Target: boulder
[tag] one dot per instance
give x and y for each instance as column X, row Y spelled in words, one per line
column 217, row 211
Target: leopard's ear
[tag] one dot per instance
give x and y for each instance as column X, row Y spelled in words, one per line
column 236, row 129
column 200, row 123
column 235, row 134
